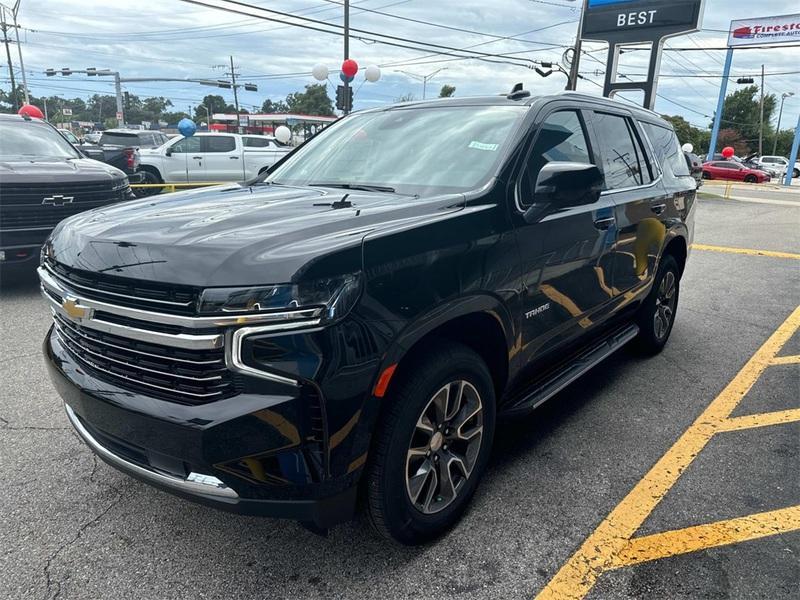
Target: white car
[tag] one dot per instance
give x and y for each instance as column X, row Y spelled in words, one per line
column 209, row 157
column 777, row 165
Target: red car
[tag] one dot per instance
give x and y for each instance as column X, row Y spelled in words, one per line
column 728, row 169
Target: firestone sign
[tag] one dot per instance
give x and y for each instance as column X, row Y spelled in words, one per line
column 765, row 30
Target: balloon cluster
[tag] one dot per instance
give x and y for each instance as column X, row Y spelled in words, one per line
column 348, row 72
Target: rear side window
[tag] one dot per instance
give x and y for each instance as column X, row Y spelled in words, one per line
column 561, row 138
column 668, row 151
column 222, row 143
column 255, row 142
column 119, row 139
column 622, row 162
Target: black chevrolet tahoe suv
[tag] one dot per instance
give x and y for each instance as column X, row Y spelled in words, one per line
column 43, row 179
column 348, row 328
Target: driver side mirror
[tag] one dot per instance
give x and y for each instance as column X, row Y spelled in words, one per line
column 562, row 185
column 168, row 151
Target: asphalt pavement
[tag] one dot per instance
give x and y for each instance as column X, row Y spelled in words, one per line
column 73, row 528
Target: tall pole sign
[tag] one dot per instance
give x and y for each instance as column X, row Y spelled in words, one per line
column 621, row 22
column 780, row 29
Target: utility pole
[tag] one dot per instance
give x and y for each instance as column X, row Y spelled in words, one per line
column 572, row 80
column 19, row 51
column 44, row 98
column 5, row 27
column 784, row 96
column 761, row 119
column 347, row 54
column 120, row 111
column 235, row 95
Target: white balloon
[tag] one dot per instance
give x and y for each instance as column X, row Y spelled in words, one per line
column 283, row 134
column 320, row 72
column 687, row 148
column 372, row 73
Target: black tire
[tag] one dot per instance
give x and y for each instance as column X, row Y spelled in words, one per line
column 151, row 178
column 388, row 484
column 653, row 331
column 795, row 173
column 706, row 175
column 750, row 179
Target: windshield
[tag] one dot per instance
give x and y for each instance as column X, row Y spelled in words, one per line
column 26, row 139
column 412, row 150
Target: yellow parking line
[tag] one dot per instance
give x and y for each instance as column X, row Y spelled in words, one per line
column 748, row 251
column 599, row 551
column 760, row 420
column 786, row 360
column 710, row 535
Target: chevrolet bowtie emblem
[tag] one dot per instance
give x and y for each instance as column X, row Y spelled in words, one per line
column 75, row 310
column 58, row 200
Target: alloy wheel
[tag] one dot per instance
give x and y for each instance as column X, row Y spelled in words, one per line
column 665, row 305
column 444, row 447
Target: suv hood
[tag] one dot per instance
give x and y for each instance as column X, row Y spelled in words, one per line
column 236, row 235
column 60, row 170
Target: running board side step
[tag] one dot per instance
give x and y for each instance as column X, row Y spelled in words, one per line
column 586, row 360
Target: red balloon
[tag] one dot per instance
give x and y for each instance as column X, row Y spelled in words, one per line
column 727, row 152
column 31, row 111
column 350, row 67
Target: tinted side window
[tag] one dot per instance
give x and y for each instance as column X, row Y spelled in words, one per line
column 187, row 145
column 255, row 142
column 668, row 151
column 222, row 143
column 620, row 160
column 561, row 138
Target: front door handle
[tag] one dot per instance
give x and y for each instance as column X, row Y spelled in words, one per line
column 658, row 208
column 234, row 157
column 198, row 157
column 604, row 223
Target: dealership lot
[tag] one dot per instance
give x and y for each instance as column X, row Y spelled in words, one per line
column 71, row 527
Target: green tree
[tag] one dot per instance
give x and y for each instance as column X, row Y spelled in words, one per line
column 314, row 101
column 447, row 91
column 688, row 133
column 742, row 114
column 784, row 146
column 270, row 107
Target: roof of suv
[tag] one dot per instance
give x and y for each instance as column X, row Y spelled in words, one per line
column 507, row 99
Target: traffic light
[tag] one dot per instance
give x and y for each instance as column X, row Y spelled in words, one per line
column 91, row 71
column 344, row 98
column 745, row 80
column 250, row 87
column 66, row 71
column 223, row 84
column 50, row 72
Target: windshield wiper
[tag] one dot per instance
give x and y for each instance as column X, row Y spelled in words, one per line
column 354, row 186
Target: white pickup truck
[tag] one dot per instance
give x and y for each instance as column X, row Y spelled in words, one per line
column 208, row 157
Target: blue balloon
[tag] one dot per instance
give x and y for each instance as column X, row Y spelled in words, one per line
column 187, row 127
column 345, row 78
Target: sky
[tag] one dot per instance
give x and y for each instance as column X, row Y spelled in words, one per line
column 173, row 38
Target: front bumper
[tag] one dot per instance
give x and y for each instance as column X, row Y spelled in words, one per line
column 247, row 454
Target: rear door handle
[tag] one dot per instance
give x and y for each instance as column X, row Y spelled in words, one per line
column 658, row 208
column 198, row 157
column 604, row 223
column 234, row 157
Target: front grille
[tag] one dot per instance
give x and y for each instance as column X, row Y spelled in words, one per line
column 121, row 291
column 184, row 376
column 21, row 206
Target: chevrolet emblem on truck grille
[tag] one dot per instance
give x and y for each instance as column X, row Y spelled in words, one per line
column 75, row 310
column 58, row 200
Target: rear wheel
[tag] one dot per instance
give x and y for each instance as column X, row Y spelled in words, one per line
column 706, row 175
column 657, row 314
column 432, row 445
column 795, row 173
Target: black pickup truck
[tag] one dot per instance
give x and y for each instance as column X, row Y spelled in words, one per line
column 355, row 322
column 119, row 149
column 43, row 179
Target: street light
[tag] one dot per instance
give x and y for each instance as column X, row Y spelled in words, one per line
column 784, row 96
column 423, row 78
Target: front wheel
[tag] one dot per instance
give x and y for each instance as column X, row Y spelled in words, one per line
column 432, row 444
column 750, row 179
column 657, row 314
column 795, row 173
column 150, row 178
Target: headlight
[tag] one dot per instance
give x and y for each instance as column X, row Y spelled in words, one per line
column 327, row 299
